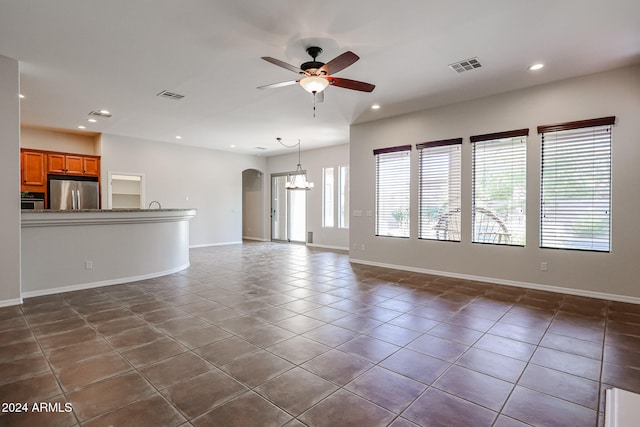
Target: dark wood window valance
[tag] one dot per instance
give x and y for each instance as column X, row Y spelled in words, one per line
column 392, row 149
column 602, row 121
column 439, row 143
column 499, row 135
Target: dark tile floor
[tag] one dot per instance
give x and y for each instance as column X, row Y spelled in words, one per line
column 273, row 334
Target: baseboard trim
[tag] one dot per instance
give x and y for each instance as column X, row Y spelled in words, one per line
column 338, row 248
column 110, row 282
column 207, row 245
column 257, row 239
column 517, row 284
column 10, row 302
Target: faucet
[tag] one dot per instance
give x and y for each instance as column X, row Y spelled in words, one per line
column 156, row 202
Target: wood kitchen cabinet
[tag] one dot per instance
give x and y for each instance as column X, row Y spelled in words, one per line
column 73, row 164
column 32, row 171
column 64, row 164
column 91, row 166
column 36, row 165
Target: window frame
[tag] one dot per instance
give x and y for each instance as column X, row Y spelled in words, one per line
column 481, row 211
column 343, row 197
column 331, row 193
column 551, row 130
column 404, row 210
column 453, row 213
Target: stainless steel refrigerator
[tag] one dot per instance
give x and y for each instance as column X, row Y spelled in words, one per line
column 69, row 194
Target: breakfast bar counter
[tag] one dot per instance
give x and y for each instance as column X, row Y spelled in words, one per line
column 64, row 251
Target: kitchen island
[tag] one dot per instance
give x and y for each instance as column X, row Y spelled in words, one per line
column 64, row 251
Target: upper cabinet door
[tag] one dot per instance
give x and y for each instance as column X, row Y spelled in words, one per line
column 33, row 168
column 55, row 163
column 91, row 166
column 74, row 165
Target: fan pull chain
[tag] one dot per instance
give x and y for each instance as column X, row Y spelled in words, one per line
column 314, row 105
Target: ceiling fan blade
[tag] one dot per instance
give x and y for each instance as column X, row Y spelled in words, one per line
column 282, row 64
column 339, row 63
column 351, row 84
column 281, row 84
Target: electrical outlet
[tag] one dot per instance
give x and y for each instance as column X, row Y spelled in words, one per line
column 544, row 266
column 88, row 265
column 362, row 247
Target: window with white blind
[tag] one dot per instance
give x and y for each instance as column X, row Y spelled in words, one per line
column 393, row 188
column 575, row 185
column 499, row 187
column 327, row 197
column 343, row 196
column 439, row 189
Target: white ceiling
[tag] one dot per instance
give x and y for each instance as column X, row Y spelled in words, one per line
column 81, row 55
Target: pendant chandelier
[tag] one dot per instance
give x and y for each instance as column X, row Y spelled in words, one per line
column 297, row 180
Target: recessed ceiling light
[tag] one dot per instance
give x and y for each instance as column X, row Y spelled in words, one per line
column 375, row 107
column 105, row 112
column 233, row 146
column 21, row 96
column 178, row 137
column 92, row 120
column 536, row 67
column 82, row 127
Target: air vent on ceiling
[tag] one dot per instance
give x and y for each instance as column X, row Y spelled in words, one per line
column 465, row 65
column 259, row 148
column 99, row 114
column 170, row 95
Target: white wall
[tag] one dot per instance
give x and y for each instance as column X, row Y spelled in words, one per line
column 10, row 182
column 186, row 177
column 313, row 161
column 610, row 93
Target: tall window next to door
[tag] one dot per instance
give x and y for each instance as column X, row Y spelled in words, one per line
column 343, row 196
column 575, row 185
column 439, row 190
column 327, row 197
column 393, row 188
column 499, row 187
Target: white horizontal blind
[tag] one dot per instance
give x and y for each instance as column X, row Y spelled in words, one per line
column 439, row 190
column 393, row 188
column 576, row 189
column 499, row 190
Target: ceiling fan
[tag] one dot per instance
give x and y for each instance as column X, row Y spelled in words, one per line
column 316, row 75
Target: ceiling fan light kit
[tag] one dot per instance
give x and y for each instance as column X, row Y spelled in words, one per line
column 314, row 84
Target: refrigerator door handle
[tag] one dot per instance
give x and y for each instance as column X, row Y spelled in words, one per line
column 78, row 202
column 73, row 199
